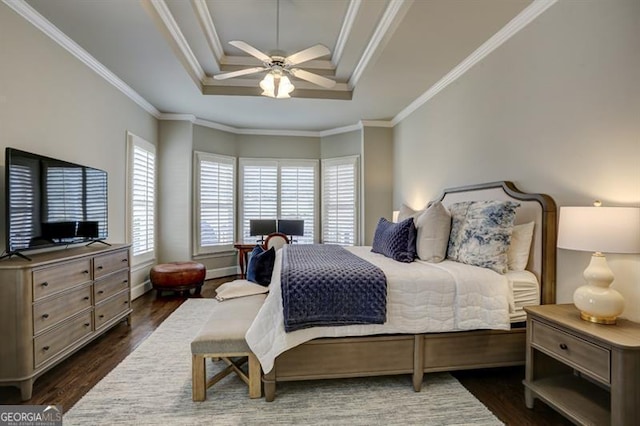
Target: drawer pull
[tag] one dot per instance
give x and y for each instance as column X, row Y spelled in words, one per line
column 101, row 292
column 45, row 316
column 125, row 260
column 87, row 324
column 125, row 281
column 101, row 316
column 85, row 272
column 44, row 284
column 46, row 348
column 126, row 302
column 99, row 268
column 563, row 346
column 86, row 298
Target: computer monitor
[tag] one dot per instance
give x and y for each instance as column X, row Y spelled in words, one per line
column 262, row 226
column 291, row 227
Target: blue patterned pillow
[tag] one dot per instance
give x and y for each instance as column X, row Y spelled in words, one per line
column 481, row 233
column 260, row 265
column 395, row 240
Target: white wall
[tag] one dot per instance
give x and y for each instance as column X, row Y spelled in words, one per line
column 52, row 104
column 556, row 109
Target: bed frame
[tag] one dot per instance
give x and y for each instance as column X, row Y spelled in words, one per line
column 343, row 357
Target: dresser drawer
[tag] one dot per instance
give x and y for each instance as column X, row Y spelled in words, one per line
column 56, row 340
column 51, row 311
column 107, row 287
column 584, row 356
column 111, row 262
column 111, row 308
column 51, row 280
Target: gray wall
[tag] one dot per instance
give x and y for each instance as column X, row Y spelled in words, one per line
column 556, row 109
column 341, row 145
column 377, row 179
column 175, row 183
column 52, row 104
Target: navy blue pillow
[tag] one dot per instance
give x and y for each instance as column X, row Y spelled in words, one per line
column 261, row 265
column 396, row 240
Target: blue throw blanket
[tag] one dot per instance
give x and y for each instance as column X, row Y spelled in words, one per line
column 326, row 285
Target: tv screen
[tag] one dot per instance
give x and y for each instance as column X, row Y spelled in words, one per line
column 51, row 202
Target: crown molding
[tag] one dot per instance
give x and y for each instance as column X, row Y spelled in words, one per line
column 391, row 18
column 345, row 31
column 177, row 117
column 376, row 123
column 170, row 27
column 204, row 17
column 257, row 132
column 40, row 22
column 340, row 130
column 531, row 12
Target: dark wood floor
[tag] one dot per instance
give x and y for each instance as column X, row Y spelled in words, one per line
column 499, row 389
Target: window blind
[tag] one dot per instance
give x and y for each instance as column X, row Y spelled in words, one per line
column 340, row 201
column 215, row 176
column 22, row 201
column 279, row 189
column 142, row 201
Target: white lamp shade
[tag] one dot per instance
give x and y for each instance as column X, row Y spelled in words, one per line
column 600, row 229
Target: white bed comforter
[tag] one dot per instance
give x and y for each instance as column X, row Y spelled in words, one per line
column 421, row 298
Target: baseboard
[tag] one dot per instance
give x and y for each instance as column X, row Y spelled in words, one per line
column 222, row 272
column 140, row 289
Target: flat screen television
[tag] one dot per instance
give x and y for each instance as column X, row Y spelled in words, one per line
column 52, row 202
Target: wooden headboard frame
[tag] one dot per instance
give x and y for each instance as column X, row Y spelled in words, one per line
column 539, row 208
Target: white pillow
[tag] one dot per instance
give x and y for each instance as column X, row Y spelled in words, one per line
column 518, row 252
column 433, row 225
column 239, row 288
column 406, row 212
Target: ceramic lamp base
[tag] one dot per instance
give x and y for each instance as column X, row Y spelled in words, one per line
column 596, row 301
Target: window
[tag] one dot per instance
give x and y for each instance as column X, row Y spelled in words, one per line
column 279, row 189
column 340, row 201
column 215, row 201
column 141, row 198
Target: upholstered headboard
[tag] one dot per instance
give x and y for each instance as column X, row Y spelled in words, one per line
column 539, row 208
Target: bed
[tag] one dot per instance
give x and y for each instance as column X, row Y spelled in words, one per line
column 372, row 350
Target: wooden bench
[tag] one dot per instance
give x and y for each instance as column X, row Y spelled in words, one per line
column 222, row 336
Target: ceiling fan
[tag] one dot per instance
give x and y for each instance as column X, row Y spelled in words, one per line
column 276, row 84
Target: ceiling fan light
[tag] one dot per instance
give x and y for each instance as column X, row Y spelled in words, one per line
column 284, row 88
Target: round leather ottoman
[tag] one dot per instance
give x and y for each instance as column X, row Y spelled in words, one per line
column 178, row 277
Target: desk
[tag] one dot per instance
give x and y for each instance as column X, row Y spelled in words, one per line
column 243, row 251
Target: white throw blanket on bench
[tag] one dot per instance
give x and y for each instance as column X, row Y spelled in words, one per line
column 421, row 298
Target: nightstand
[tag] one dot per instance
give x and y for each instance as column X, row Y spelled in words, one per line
column 243, row 251
column 588, row 372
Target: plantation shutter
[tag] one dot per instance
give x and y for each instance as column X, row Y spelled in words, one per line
column 259, row 193
column 279, row 189
column 340, row 201
column 298, row 197
column 215, row 176
column 143, row 200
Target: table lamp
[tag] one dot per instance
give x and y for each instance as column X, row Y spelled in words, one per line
column 599, row 230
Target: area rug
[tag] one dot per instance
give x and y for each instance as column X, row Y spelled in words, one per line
column 152, row 386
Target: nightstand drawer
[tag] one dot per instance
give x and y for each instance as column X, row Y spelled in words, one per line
column 584, row 356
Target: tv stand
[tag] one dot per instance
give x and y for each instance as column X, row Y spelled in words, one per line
column 99, row 241
column 56, row 304
column 15, row 253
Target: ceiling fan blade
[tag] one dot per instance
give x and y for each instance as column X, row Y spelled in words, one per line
column 313, row 78
column 251, row 50
column 305, row 55
column 238, row 73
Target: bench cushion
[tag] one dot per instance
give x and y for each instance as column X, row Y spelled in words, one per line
column 227, row 325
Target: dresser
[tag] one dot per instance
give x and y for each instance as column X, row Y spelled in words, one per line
column 588, row 372
column 55, row 304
